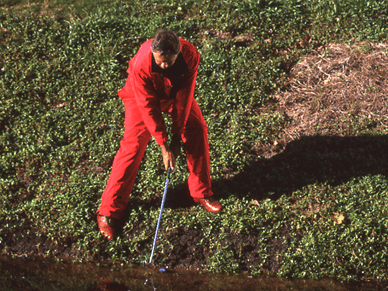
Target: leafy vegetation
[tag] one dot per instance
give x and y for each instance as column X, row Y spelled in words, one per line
column 61, row 123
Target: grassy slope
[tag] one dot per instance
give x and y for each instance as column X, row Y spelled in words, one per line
column 61, row 123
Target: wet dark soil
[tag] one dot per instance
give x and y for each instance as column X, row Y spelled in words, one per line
column 188, row 252
column 29, row 274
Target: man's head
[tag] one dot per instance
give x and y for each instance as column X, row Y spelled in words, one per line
column 165, row 47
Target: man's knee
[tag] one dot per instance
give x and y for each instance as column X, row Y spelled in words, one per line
column 135, row 141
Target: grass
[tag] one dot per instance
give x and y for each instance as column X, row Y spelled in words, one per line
column 61, row 123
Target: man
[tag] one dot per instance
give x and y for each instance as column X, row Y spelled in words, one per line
column 161, row 78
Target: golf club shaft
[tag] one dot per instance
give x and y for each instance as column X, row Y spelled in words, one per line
column 160, row 214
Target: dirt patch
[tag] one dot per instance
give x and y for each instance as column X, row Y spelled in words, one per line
column 186, row 250
column 22, row 239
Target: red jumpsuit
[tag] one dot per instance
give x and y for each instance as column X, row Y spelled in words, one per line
column 149, row 91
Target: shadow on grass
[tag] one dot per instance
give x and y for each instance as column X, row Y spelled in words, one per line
column 305, row 161
column 309, row 160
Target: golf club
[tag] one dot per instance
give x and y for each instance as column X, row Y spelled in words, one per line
column 160, row 214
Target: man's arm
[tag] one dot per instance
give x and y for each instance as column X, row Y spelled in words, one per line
column 149, row 105
column 185, row 95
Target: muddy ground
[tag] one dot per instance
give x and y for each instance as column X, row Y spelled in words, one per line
column 324, row 91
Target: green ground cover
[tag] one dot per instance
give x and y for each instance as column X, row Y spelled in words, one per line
column 61, row 123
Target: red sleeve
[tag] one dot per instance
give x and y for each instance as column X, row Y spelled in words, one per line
column 185, row 94
column 149, row 106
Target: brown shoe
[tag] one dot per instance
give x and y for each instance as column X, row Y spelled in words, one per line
column 209, row 203
column 106, row 226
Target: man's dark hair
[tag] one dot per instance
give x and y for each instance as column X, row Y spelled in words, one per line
column 166, row 42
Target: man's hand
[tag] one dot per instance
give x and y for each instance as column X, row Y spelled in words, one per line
column 168, row 157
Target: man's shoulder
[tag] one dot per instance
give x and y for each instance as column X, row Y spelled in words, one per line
column 141, row 61
column 190, row 53
column 146, row 45
column 187, row 46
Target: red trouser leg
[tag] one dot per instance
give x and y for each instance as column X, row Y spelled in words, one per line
column 195, row 138
column 132, row 147
column 126, row 164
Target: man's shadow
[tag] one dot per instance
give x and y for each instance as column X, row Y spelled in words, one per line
column 305, row 161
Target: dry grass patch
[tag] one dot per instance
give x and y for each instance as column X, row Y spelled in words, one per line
column 329, row 89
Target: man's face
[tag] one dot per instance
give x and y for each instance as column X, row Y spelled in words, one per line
column 164, row 61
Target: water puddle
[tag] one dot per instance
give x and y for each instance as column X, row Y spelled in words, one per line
column 25, row 274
